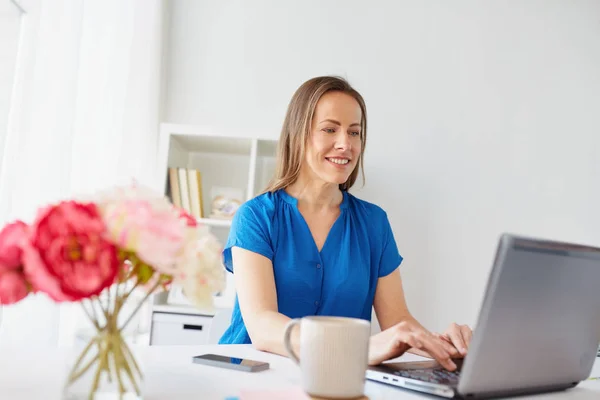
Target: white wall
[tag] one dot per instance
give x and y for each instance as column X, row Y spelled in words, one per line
column 484, row 117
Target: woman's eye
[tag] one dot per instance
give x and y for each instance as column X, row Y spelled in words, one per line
column 329, row 130
column 355, row 133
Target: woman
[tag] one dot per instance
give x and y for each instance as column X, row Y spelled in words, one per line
column 308, row 247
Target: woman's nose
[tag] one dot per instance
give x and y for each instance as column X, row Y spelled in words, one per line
column 342, row 141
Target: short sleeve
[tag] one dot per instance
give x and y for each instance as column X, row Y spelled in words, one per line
column 250, row 231
column 390, row 256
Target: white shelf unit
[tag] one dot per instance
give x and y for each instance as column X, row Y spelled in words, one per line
column 236, row 161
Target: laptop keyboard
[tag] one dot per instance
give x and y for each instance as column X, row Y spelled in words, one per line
column 432, row 375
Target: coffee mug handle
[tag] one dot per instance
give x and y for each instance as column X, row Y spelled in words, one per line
column 286, row 339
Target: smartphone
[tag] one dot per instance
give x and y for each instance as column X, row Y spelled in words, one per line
column 239, row 364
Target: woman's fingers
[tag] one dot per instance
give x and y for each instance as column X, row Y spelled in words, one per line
column 448, row 345
column 456, row 336
column 467, row 334
column 393, row 342
column 416, row 336
column 435, row 347
column 405, row 338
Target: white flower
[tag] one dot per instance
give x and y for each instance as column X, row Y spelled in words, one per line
column 202, row 274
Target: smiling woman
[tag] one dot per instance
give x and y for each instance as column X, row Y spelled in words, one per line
column 323, row 110
column 336, row 146
column 306, row 246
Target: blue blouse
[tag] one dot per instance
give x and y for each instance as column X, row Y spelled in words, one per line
column 340, row 280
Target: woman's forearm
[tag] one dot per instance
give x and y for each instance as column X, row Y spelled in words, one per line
column 269, row 328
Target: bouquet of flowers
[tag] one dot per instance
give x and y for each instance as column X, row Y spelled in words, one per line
column 97, row 252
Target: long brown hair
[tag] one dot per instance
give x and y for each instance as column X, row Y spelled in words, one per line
column 297, row 126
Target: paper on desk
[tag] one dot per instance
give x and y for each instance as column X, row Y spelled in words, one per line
column 293, row 393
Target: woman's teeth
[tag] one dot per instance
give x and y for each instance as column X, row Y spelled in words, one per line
column 340, row 161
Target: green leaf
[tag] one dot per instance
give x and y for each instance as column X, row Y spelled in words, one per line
column 144, row 273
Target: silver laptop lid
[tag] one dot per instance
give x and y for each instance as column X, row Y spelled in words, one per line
column 539, row 325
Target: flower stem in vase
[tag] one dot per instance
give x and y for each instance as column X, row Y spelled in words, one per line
column 75, row 373
column 106, row 359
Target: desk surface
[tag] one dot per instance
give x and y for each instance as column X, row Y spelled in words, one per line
column 170, row 374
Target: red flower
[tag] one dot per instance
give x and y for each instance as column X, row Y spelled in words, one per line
column 68, row 256
column 13, row 287
column 12, row 238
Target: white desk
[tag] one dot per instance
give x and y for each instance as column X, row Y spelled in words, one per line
column 39, row 374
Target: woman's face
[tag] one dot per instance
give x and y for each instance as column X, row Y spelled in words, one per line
column 334, row 144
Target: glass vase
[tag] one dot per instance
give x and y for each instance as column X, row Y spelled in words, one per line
column 104, row 363
column 103, row 366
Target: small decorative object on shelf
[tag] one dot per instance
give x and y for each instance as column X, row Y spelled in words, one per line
column 100, row 252
column 225, row 202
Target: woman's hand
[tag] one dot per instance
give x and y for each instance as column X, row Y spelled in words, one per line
column 395, row 341
column 458, row 336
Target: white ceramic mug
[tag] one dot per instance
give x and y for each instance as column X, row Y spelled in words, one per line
column 334, row 355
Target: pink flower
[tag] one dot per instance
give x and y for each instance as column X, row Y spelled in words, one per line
column 189, row 220
column 167, row 239
column 201, row 273
column 12, row 238
column 145, row 223
column 13, row 287
column 68, row 256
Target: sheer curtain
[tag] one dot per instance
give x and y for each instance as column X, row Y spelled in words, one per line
column 10, row 32
column 10, row 24
column 87, row 93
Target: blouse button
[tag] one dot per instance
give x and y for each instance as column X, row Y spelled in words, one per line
column 316, row 303
column 318, row 265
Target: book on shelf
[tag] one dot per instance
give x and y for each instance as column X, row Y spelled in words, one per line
column 185, row 190
column 195, row 190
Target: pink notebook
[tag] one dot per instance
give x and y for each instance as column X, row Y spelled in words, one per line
column 293, row 393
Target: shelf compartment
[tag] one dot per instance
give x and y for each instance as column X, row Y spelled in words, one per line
column 214, row 222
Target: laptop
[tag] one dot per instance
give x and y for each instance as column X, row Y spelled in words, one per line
column 538, row 328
